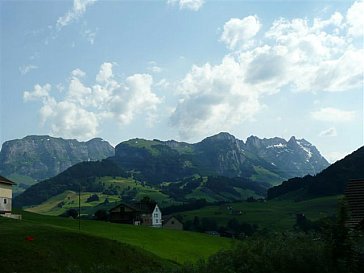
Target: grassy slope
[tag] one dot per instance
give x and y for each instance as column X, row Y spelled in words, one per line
column 143, row 190
column 274, row 215
column 70, row 198
column 143, row 143
column 56, row 249
column 179, row 246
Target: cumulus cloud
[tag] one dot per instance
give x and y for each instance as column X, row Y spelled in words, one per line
column 137, row 97
column 78, row 9
column 83, row 108
column 305, row 55
column 331, row 132
column 39, row 92
column 333, row 115
column 354, row 17
column 213, row 99
column 194, row 5
column 240, row 31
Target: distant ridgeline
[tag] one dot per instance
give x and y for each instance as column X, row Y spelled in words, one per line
column 220, row 166
column 330, row 181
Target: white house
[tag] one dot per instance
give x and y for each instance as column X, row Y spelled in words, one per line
column 6, row 195
column 157, row 217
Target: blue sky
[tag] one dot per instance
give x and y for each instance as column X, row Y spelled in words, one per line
column 184, row 70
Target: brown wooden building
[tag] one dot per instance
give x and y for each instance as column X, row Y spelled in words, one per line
column 140, row 213
column 354, row 193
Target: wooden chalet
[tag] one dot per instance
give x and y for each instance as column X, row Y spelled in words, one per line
column 354, row 193
column 139, row 213
column 6, row 195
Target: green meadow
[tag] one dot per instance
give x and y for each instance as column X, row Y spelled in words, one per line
column 174, row 245
column 274, row 215
column 35, row 247
column 60, row 203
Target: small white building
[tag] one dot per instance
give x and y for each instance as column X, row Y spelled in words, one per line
column 157, row 217
column 6, row 195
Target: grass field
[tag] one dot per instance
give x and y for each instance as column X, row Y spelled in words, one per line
column 174, row 245
column 33, row 247
column 70, row 200
column 60, row 203
column 275, row 215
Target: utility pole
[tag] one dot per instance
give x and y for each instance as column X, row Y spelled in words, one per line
column 79, row 207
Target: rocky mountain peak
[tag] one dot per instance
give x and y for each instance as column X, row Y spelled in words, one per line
column 43, row 156
column 222, row 136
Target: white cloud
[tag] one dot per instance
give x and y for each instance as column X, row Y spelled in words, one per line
column 240, row 31
column 78, row 73
column 68, row 119
column 25, row 69
column 105, row 74
column 194, row 5
column 78, row 9
column 39, row 92
column 331, row 132
column 333, row 115
column 136, row 97
column 317, row 55
column 354, row 18
column 82, row 108
column 213, row 99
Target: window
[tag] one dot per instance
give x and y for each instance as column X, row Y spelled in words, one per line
column 155, row 215
column 156, row 220
column 156, row 209
column 172, row 222
column 5, row 201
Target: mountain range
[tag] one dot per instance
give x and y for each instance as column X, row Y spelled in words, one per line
column 263, row 160
column 221, row 166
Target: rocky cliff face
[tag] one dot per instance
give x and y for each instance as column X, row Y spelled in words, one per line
column 296, row 157
column 41, row 157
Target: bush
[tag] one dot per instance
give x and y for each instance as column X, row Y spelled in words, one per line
column 92, row 198
column 71, row 213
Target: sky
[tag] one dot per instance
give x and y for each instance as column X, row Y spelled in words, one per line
column 184, row 70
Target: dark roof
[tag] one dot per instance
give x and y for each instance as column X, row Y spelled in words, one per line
column 168, row 217
column 355, row 197
column 139, row 207
column 144, row 207
column 4, row 180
